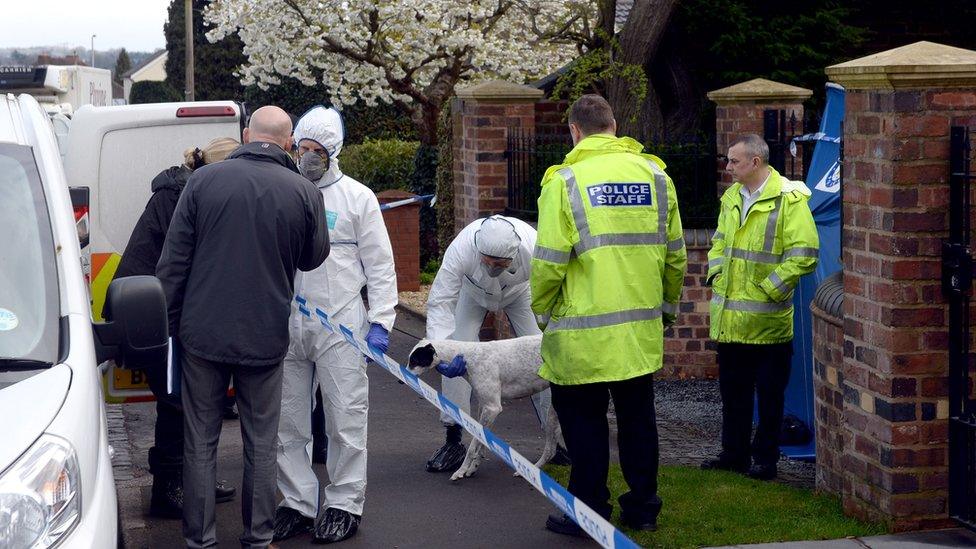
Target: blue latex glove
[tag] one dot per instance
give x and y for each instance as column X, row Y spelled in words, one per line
column 457, row 367
column 378, row 338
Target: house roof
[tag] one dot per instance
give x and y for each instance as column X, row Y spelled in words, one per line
column 145, row 62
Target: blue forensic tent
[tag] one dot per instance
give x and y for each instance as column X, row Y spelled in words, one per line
column 823, row 179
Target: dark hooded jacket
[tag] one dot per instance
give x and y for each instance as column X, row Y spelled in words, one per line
column 146, row 242
column 241, row 229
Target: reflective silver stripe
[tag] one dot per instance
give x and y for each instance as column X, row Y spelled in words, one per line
column 604, row 320
column 751, row 306
column 770, row 237
column 718, row 235
column 801, row 252
column 758, row 257
column 588, row 242
column 717, row 262
column 669, row 308
column 781, row 286
column 550, row 255
column 676, row 244
column 575, row 202
column 661, row 190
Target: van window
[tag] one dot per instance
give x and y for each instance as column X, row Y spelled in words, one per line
column 132, row 157
column 29, row 298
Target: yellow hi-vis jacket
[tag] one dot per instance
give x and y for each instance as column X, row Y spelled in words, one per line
column 608, row 264
column 753, row 266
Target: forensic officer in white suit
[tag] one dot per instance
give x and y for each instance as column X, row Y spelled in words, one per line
column 485, row 268
column 361, row 256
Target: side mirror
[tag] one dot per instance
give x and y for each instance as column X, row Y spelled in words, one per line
column 136, row 331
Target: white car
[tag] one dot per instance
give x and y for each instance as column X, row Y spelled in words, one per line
column 56, row 483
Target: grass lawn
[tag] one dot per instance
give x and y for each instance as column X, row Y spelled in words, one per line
column 707, row 508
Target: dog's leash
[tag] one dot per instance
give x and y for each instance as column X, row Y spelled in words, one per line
column 595, row 525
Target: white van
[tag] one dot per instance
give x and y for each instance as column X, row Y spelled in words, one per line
column 56, row 483
column 114, row 152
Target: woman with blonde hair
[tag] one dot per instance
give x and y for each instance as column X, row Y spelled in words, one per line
column 139, row 258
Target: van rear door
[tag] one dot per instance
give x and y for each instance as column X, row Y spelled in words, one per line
column 116, row 151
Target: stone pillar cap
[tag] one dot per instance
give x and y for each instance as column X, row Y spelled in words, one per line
column 759, row 90
column 501, row 91
column 918, row 65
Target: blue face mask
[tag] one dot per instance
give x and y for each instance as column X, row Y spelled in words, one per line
column 313, row 166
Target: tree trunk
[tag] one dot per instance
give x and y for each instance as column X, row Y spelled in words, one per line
column 639, row 40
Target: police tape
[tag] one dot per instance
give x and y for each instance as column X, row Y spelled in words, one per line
column 595, row 525
column 405, row 201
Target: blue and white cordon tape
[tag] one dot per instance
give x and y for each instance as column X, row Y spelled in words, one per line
column 819, row 136
column 405, row 201
column 595, row 525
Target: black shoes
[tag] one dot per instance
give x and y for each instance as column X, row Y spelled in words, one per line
column 722, row 464
column 762, row 472
column 563, row 524
column 561, row 457
column 224, row 493
column 289, row 523
column 167, row 497
column 637, row 523
column 337, row 525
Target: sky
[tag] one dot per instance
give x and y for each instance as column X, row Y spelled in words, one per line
column 136, row 25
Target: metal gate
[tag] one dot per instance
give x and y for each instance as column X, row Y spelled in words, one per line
column 957, row 287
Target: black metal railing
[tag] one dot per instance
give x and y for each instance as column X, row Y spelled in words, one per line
column 957, row 281
column 692, row 166
column 779, row 129
column 529, row 155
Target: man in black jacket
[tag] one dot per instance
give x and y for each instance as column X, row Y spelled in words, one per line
column 241, row 229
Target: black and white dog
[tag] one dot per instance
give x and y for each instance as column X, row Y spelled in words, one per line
column 502, row 369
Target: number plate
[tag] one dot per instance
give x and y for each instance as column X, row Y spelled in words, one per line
column 129, row 380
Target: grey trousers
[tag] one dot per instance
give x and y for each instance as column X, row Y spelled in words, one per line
column 259, row 404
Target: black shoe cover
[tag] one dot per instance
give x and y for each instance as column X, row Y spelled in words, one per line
column 446, row 459
column 335, row 526
column 289, row 523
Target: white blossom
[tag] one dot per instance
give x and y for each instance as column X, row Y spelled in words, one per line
column 409, row 52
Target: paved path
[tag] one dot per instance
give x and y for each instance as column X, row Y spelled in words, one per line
column 405, row 505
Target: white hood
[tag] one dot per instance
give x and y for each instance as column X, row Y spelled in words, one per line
column 27, row 408
column 324, row 126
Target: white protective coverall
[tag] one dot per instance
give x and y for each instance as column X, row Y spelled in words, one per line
column 463, row 293
column 361, row 255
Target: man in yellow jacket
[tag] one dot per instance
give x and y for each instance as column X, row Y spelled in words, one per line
column 765, row 241
column 606, row 278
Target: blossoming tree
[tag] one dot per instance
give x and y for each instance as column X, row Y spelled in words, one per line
column 412, row 53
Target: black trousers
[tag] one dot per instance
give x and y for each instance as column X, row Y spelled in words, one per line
column 748, row 372
column 166, row 454
column 582, row 412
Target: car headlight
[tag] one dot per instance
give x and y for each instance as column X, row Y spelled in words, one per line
column 40, row 495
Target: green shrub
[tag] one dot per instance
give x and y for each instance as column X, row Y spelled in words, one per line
column 430, row 271
column 150, row 91
column 380, row 164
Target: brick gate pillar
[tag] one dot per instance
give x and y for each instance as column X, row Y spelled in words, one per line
column 899, row 108
column 739, row 109
column 487, row 110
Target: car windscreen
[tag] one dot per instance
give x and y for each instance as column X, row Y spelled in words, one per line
column 29, row 298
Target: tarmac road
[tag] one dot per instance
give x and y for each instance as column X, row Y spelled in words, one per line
column 405, row 505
